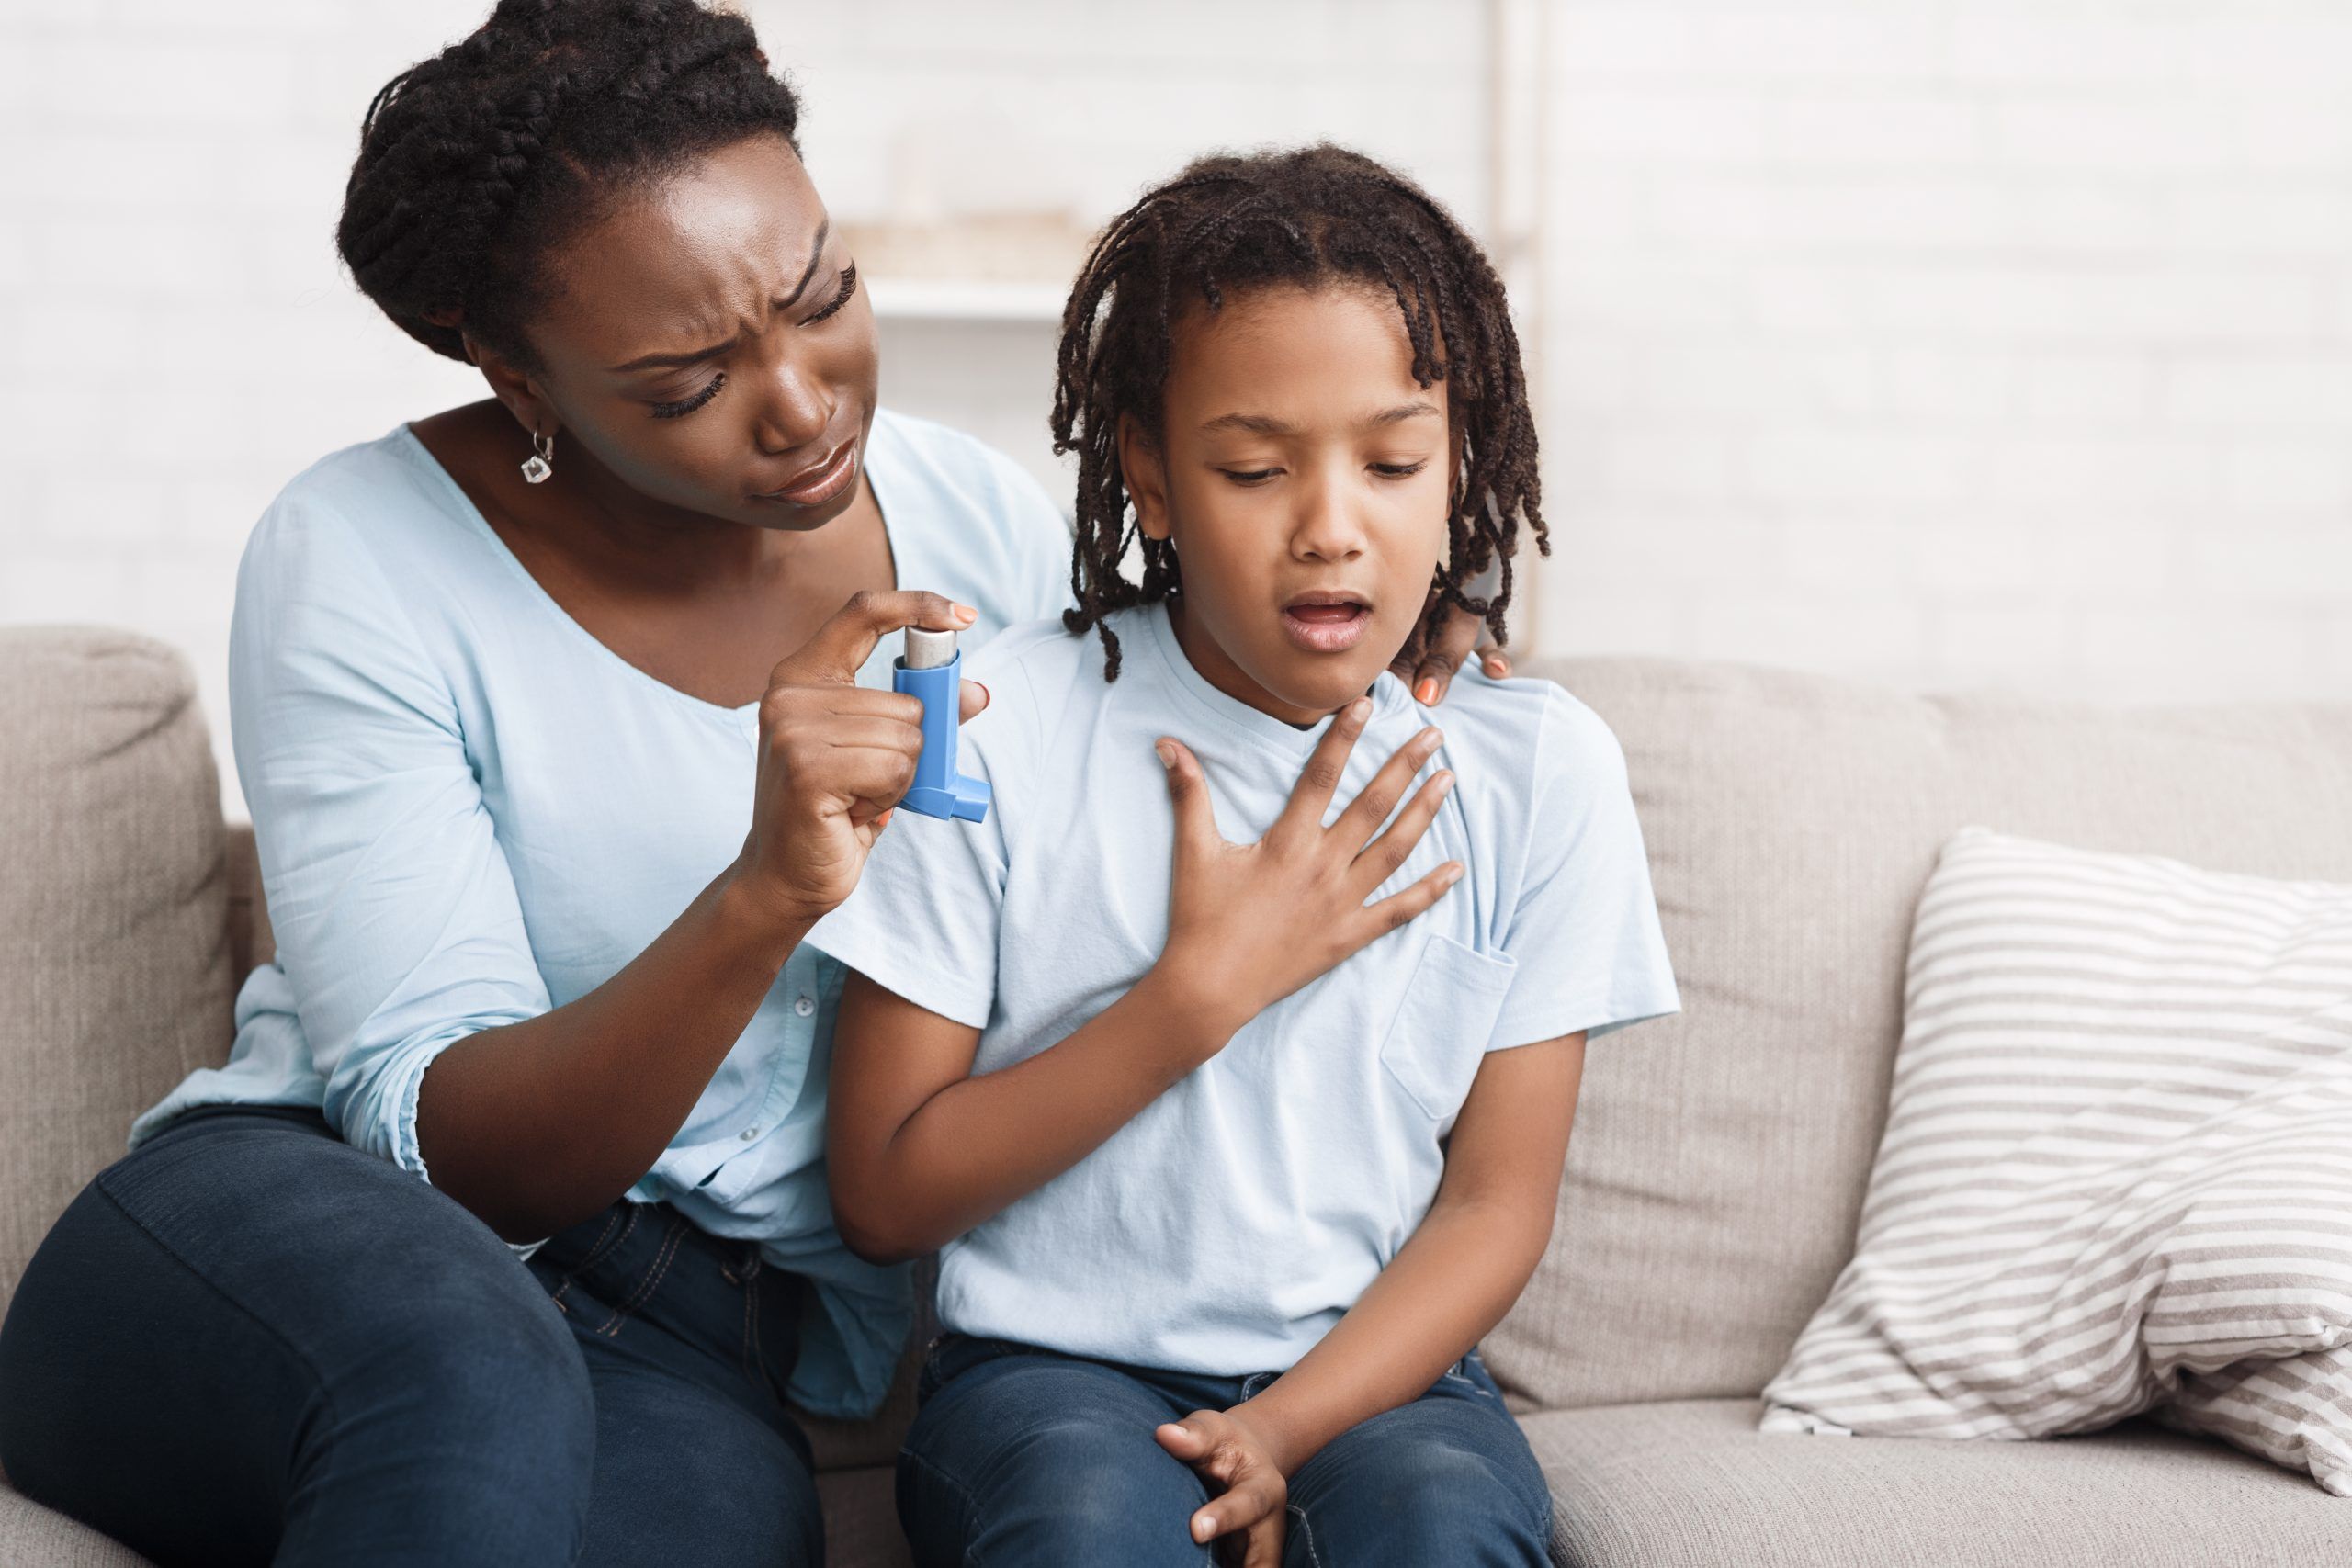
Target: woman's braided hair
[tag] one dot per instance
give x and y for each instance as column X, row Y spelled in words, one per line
column 474, row 164
column 1309, row 217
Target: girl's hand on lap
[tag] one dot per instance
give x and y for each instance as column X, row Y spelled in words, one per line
column 1250, row 1509
column 835, row 757
column 1247, row 924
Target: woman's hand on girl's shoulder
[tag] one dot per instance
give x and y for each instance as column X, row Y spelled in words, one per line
column 835, row 757
column 1431, row 674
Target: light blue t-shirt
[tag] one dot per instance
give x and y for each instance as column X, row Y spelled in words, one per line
column 1229, row 1225
column 470, row 811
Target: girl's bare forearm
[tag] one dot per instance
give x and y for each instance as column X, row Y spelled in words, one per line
column 981, row 1142
column 1449, row 1285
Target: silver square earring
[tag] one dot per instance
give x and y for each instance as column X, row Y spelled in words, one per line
column 541, row 462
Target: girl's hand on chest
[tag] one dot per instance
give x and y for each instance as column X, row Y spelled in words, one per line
column 1249, row 923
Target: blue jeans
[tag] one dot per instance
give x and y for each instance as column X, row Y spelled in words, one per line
column 248, row 1342
column 1026, row 1457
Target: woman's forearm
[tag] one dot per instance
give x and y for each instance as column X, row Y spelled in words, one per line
column 979, row 1143
column 1449, row 1283
column 536, row 1125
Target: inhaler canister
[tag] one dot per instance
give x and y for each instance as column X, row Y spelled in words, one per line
column 931, row 667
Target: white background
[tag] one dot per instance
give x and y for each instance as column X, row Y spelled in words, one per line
column 1962, row 343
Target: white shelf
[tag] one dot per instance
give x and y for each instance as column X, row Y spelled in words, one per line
column 953, row 300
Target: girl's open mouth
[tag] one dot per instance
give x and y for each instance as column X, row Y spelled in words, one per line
column 1325, row 625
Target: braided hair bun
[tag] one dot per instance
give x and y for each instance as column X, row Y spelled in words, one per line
column 475, row 164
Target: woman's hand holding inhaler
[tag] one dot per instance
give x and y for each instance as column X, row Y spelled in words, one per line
column 835, row 757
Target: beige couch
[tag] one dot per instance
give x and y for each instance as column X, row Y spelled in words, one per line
column 1719, row 1157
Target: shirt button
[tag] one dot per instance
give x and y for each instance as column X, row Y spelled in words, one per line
column 804, row 1006
column 748, row 1134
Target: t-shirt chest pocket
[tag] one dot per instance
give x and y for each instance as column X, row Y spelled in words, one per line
column 1443, row 1026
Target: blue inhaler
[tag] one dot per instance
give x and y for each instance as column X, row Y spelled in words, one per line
column 932, row 668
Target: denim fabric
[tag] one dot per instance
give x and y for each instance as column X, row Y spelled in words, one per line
column 1025, row 1458
column 250, row 1342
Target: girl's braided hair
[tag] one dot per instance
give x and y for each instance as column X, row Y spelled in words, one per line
column 1309, row 217
column 475, row 164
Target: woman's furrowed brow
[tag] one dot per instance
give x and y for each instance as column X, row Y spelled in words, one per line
column 696, row 356
column 674, row 361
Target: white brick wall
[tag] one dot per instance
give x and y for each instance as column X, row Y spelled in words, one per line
column 1978, row 341
column 1940, row 341
column 175, row 340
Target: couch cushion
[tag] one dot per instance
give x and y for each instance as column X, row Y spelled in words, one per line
column 35, row 1537
column 251, row 941
column 862, row 1518
column 1692, row 1483
column 113, row 955
column 1719, row 1158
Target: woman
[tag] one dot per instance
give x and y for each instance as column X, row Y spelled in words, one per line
column 507, row 686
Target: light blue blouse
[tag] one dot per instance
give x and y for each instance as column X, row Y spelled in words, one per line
column 469, row 811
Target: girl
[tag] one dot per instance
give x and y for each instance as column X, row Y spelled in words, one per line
column 1236, row 1132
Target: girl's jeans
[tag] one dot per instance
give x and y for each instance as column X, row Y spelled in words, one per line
column 1023, row 1458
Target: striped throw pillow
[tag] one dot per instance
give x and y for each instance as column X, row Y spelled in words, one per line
column 2295, row 1411
column 2116, row 1171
